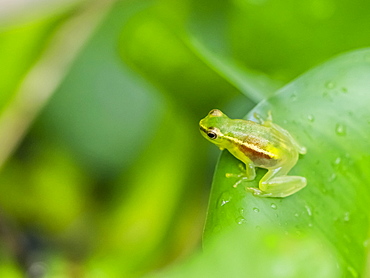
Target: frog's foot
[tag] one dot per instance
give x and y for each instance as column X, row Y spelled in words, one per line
column 247, row 174
column 258, row 192
column 232, row 175
column 259, row 118
column 264, row 122
column 280, row 186
column 241, row 177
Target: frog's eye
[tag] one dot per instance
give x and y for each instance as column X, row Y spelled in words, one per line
column 212, row 133
column 215, row 112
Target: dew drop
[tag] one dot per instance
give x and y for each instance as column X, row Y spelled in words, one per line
column 296, row 214
column 346, row 217
column 344, row 90
column 241, row 220
column 349, row 159
column 337, row 161
column 273, row 206
column 330, row 85
column 366, row 243
column 310, row 118
column 256, row 209
column 224, row 199
column 340, row 130
column 293, row 97
column 308, row 209
column 332, row 178
column 352, row 271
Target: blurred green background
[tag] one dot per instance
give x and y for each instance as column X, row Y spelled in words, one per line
column 103, row 170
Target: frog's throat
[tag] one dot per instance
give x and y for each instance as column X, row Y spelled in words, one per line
column 254, row 148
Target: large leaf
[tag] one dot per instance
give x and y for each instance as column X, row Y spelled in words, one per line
column 321, row 231
column 327, row 111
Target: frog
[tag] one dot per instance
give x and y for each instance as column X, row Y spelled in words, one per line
column 260, row 143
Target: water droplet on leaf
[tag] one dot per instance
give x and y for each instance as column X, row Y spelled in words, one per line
column 340, row 130
column 241, row 220
column 346, row 216
column 352, row 271
column 224, row 198
column 332, row 177
column 256, row 209
column 308, row 209
column 330, row 85
column 293, row 97
column 366, row 243
column 310, row 118
column 337, row 161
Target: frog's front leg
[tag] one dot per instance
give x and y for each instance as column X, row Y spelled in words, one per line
column 275, row 183
column 249, row 175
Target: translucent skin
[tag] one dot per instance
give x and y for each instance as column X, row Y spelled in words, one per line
column 264, row 144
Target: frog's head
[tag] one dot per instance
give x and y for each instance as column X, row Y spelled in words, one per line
column 213, row 127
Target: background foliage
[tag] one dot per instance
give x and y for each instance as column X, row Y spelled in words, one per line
column 104, row 173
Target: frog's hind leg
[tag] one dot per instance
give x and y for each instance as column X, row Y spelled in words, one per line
column 268, row 123
column 261, row 121
column 277, row 184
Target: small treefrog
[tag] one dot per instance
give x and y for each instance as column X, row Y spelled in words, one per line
column 263, row 144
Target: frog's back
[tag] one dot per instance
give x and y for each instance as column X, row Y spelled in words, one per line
column 265, row 146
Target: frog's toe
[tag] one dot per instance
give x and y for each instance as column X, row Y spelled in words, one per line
column 254, row 190
column 258, row 192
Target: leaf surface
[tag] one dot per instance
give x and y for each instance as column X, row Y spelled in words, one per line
column 326, row 110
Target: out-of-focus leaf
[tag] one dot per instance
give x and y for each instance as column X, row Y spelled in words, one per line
column 43, row 189
column 280, row 38
column 326, row 110
column 10, row 270
column 45, row 76
column 140, row 220
column 253, row 253
column 159, row 49
column 110, row 109
column 20, row 46
column 255, row 86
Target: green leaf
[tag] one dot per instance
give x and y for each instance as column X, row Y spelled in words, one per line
column 327, row 111
column 96, row 126
column 241, row 253
column 253, row 84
